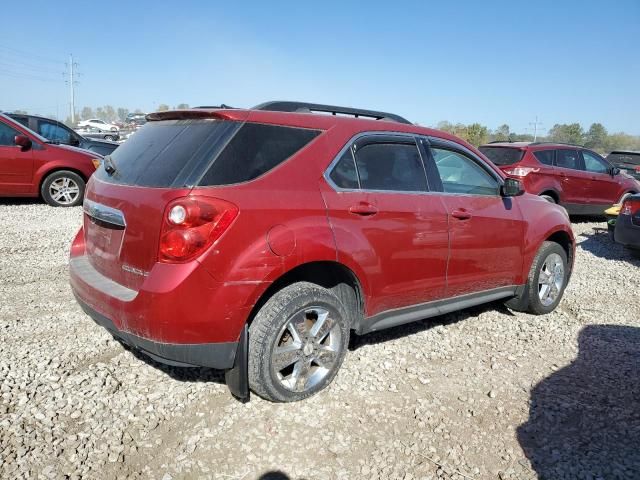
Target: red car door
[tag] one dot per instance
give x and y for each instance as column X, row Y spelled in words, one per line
column 575, row 181
column 486, row 231
column 386, row 224
column 16, row 165
column 603, row 189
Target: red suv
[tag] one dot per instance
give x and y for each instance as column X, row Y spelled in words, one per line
column 32, row 166
column 578, row 179
column 256, row 241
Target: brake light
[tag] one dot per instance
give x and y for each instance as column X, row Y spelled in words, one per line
column 631, row 206
column 521, row 171
column 190, row 225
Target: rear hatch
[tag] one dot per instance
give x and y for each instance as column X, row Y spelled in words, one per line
column 127, row 196
column 629, row 162
column 503, row 156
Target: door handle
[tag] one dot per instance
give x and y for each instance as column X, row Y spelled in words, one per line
column 363, row 209
column 461, row 214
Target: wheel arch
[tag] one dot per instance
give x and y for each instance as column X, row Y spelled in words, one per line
column 553, row 193
column 335, row 276
column 563, row 239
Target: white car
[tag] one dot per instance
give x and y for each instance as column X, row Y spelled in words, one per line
column 99, row 124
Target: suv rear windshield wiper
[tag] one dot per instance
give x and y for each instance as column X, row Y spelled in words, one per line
column 109, row 165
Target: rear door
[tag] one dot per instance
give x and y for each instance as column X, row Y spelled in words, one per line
column 603, row 188
column 16, row 166
column 575, row 181
column 486, row 231
column 386, row 223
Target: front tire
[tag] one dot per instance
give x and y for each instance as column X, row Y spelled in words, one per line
column 63, row 189
column 546, row 282
column 297, row 343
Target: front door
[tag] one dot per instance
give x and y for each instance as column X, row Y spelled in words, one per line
column 16, row 166
column 386, row 223
column 575, row 181
column 603, row 189
column 486, row 231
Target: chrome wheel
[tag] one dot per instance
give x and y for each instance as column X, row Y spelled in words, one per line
column 64, row 190
column 550, row 279
column 307, row 349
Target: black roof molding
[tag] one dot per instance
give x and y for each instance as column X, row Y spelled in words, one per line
column 304, row 107
column 557, row 143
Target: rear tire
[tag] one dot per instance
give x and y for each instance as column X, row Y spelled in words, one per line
column 63, row 189
column 548, row 198
column 546, row 282
column 297, row 343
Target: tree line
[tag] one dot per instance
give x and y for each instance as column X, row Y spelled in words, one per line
column 596, row 137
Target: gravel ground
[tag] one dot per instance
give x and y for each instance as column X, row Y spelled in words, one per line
column 480, row 394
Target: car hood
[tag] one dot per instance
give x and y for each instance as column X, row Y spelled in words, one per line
column 75, row 149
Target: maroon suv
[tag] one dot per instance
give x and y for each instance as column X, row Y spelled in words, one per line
column 578, row 179
column 256, row 241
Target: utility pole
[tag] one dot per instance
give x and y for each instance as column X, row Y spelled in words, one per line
column 535, row 128
column 72, row 83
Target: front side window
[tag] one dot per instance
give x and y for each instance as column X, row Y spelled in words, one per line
column 391, row 166
column 7, row 135
column 54, row 132
column 594, row 164
column 460, row 174
column 568, row 159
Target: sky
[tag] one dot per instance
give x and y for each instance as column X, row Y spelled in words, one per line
column 491, row 62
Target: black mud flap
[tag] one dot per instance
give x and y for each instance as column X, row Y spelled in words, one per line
column 237, row 378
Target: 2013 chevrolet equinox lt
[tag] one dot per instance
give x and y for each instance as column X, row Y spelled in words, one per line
column 256, row 241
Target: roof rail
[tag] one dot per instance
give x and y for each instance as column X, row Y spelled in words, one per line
column 556, row 143
column 500, row 141
column 285, row 106
column 222, row 106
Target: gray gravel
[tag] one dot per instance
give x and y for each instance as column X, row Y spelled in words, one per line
column 483, row 393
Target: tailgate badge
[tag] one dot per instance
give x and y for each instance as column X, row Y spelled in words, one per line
column 136, row 271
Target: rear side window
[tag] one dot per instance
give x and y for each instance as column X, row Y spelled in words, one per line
column 344, row 174
column 392, row 167
column 179, row 153
column 503, row 155
column 254, row 150
column 545, row 156
column 568, row 159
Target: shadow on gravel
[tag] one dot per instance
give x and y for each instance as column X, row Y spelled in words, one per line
column 182, row 374
column 600, row 244
column 357, row 341
column 584, row 420
column 21, row 201
column 275, row 475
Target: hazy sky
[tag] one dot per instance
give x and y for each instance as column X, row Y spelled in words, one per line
column 492, row 62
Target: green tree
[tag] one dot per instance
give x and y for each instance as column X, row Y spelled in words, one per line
column 122, row 113
column 476, row 134
column 163, row 107
column 86, row 113
column 182, row 106
column 502, row 133
column 567, row 133
column 596, row 137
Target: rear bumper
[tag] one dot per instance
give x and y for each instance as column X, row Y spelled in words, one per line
column 626, row 233
column 213, row 355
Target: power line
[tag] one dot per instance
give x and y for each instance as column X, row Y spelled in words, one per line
column 30, row 66
column 23, row 53
column 9, row 73
column 535, row 125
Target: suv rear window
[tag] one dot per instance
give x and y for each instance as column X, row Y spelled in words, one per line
column 179, row 153
column 503, row 155
column 629, row 158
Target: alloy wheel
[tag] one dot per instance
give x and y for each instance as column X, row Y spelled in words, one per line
column 64, row 190
column 550, row 279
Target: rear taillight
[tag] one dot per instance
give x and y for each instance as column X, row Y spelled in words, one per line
column 631, row 206
column 521, row 171
column 190, row 225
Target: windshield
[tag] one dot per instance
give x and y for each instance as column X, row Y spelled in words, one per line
column 503, row 155
column 19, row 126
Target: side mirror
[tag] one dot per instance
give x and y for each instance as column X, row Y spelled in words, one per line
column 23, row 142
column 74, row 141
column 511, row 188
column 614, row 171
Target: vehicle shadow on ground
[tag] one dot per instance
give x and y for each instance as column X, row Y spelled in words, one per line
column 600, row 244
column 274, row 475
column 584, row 420
column 389, row 334
column 182, row 374
column 20, row 201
